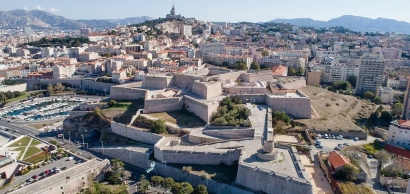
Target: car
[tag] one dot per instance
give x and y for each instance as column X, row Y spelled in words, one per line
column 34, row 177
column 63, row 168
column 319, row 146
column 340, row 146
column 355, row 139
column 47, row 172
column 55, row 168
column 29, row 180
column 326, row 136
column 369, row 156
column 7, row 129
column 70, row 158
column 345, row 143
column 337, row 148
column 333, row 137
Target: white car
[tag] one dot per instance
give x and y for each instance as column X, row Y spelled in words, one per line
column 70, row 158
column 345, row 143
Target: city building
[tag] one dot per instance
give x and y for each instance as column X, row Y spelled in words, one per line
column 370, row 77
column 406, row 104
column 279, row 71
column 63, row 72
column 313, row 78
column 399, row 133
column 386, row 94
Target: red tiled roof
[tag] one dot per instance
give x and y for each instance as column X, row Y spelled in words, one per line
column 404, row 123
column 337, row 160
column 397, row 150
column 278, row 70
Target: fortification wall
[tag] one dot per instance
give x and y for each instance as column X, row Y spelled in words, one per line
column 78, row 113
column 245, row 90
column 299, row 107
column 163, row 104
column 207, row 90
column 201, row 155
column 233, row 133
column 195, row 180
column 19, row 87
column 135, row 133
column 185, row 81
column 265, row 75
column 295, row 84
column 226, row 77
column 253, row 98
column 100, row 86
column 156, row 82
column 124, row 93
column 36, row 82
column 203, row 111
column 127, row 155
column 259, row 179
column 199, row 139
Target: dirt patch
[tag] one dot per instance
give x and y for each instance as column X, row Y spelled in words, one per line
column 335, row 111
column 182, row 118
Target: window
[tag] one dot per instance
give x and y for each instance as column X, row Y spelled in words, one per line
column 61, row 187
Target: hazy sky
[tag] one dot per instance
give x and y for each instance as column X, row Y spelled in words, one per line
column 218, row 10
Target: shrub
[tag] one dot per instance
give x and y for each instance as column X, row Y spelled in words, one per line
column 337, row 104
column 187, row 169
column 157, row 181
column 281, row 116
column 377, row 100
column 327, row 104
column 229, row 113
column 112, row 103
column 159, row 126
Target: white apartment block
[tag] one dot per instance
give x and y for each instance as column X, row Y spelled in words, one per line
column 137, row 63
column 47, row 52
column 236, row 51
column 271, row 61
column 370, row 77
column 118, row 76
column 63, row 72
column 294, row 53
column 340, row 72
column 391, row 53
column 88, row 56
column 399, row 133
column 325, row 53
column 186, row 30
column 214, row 47
column 386, row 94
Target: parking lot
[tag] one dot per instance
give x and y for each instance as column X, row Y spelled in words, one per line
column 63, row 162
column 330, row 144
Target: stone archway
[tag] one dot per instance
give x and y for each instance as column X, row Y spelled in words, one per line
column 94, row 135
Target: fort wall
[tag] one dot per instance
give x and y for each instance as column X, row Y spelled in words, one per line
column 265, row 75
column 227, row 77
column 157, row 82
column 299, row 107
column 126, row 93
column 163, row 104
column 298, row 82
column 245, row 90
column 88, row 84
column 185, row 81
column 19, row 87
column 200, row 109
column 138, row 158
column 207, row 90
column 135, row 133
column 233, row 133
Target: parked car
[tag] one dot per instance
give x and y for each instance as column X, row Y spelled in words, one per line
column 63, row 168
column 345, row 143
column 47, row 172
column 355, row 139
column 29, row 180
column 34, row 177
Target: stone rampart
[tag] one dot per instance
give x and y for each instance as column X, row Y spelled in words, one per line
column 163, row 105
column 200, row 109
column 200, row 139
column 265, row 75
column 201, row 155
column 207, row 90
column 226, row 78
column 245, row 90
column 185, row 81
column 157, row 82
column 88, row 84
column 299, row 107
column 293, row 84
column 125, row 93
column 252, row 98
column 78, row 113
column 232, row 133
column 19, row 87
column 136, row 157
column 195, row 180
column 259, row 179
column 135, row 133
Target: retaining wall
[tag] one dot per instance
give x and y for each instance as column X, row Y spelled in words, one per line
column 19, row 87
column 131, row 156
column 126, row 93
column 299, row 107
column 203, row 111
column 134, row 133
column 233, row 133
column 195, row 180
column 257, row 76
column 207, row 90
column 295, row 84
column 253, row 98
column 192, row 138
column 89, row 84
column 185, row 81
column 78, row 113
column 163, row 105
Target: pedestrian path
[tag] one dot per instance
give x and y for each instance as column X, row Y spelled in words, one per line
column 28, row 145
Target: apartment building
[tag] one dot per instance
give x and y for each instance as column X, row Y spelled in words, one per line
column 313, row 78
column 399, row 133
column 88, row 56
column 63, row 72
column 271, row 61
column 370, row 77
column 406, row 104
column 118, row 76
column 386, row 94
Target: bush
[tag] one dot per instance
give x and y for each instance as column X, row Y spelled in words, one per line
column 377, row 100
column 327, row 104
column 348, row 173
column 157, row 181
column 229, row 113
column 187, row 169
column 368, row 95
column 281, row 116
column 201, row 189
column 159, row 126
column 112, row 103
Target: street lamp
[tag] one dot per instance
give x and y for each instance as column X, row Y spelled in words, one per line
column 102, row 146
column 69, row 138
column 83, row 140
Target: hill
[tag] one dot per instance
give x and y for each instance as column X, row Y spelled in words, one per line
column 356, row 23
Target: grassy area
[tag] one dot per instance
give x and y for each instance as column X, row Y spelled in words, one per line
column 22, row 142
column 351, row 188
column 37, row 158
column 124, row 105
column 221, row 173
column 21, row 149
column 372, row 148
column 181, row 118
column 42, row 124
column 35, row 142
column 22, row 97
column 32, row 151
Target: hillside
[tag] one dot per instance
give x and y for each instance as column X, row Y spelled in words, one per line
column 356, row 23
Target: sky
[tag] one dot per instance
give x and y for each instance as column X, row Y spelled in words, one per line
column 218, row 10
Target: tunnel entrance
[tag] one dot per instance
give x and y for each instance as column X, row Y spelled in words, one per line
column 95, row 135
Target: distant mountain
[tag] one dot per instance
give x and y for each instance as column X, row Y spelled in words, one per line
column 42, row 19
column 355, row 23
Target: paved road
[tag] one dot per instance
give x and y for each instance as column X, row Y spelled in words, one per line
column 59, row 163
column 374, row 171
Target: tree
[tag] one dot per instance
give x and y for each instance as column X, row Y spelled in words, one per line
column 200, row 189
column 265, row 53
column 159, row 126
column 186, row 188
column 352, row 80
column 143, row 186
column 157, row 181
column 126, row 174
column 59, row 87
column 383, row 156
column 292, row 71
column 240, row 65
column 281, row 116
column 377, row 100
column 255, row 66
column 368, row 95
column 300, row 71
column 348, row 173
column 50, row 89
column 397, row 108
column 112, row 103
column 168, row 183
column 386, row 117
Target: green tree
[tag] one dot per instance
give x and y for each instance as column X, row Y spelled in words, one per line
column 50, row 89
column 159, row 126
column 240, row 65
column 348, row 173
column 397, row 109
column 281, row 116
column 352, row 80
column 292, row 71
column 368, row 95
column 157, row 181
column 385, row 117
column 168, row 183
column 377, row 100
column 186, row 188
column 300, row 71
column 255, row 66
column 265, row 53
column 200, row 189
column 143, row 186
column 112, row 103
column 59, row 87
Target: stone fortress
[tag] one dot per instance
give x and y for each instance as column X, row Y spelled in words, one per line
column 262, row 164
